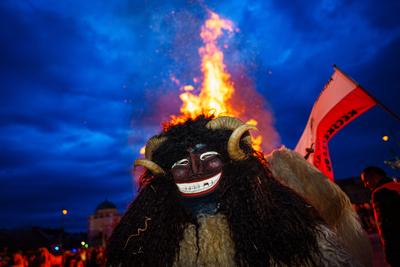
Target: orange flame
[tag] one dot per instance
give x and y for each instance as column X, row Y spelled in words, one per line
column 217, row 88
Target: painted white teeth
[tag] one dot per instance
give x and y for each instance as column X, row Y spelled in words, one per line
column 198, row 187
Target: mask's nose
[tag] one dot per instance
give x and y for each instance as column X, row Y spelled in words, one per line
column 196, row 163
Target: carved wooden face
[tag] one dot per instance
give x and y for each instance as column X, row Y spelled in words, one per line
column 199, row 173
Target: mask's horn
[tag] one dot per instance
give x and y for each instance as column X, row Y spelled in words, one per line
column 239, row 129
column 151, row 146
column 150, row 165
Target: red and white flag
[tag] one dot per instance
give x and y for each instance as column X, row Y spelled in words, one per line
column 341, row 101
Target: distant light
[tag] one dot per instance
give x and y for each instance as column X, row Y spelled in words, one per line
column 385, row 138
column 86, row 245
column 74, row 250
column 56, row 248
column 83, row 243
column 64, row 211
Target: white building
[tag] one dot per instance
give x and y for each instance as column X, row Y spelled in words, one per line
column 102, row 223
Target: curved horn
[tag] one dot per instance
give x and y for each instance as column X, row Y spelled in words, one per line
column 224, row 122
column 152, row 145
column 239, row 128
column 234, row 150
column 229, row 123
column 150, row 165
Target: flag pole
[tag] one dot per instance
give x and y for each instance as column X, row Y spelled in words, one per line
column 379, row 103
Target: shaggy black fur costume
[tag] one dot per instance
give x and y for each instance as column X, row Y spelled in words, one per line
column 268, row 221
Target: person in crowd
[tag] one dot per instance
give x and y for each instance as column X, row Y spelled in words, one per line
column 19, row 260
column 42, row 258
column 386, row 204
column 366, row 217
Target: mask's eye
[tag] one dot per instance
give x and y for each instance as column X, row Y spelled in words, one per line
column 208, row 154
column 182, row 162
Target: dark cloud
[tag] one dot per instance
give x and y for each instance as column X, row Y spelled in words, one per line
column 41, row 202
column 42, row 55
column 300, row 14
column 380, row 14
column 380, row 74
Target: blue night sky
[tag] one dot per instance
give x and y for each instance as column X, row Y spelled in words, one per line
column 80, row 83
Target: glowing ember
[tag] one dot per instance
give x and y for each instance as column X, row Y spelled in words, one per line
column 252, row 122
column 142, row 150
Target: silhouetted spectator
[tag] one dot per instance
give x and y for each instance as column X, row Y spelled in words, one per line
column 19, row 260
column 386, row 205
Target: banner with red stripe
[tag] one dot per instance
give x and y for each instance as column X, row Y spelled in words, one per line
column 341, row 101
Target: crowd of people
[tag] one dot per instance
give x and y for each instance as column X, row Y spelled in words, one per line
column 84, row 257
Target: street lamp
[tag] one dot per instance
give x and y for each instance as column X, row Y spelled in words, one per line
column 385, row 138
column 64, row 213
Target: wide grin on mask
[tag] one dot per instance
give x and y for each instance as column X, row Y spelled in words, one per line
column 199, row 173
column 200, row 187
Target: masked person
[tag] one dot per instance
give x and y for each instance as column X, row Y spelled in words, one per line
column 208, row 199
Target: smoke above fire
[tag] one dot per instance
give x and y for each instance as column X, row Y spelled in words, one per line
column 219, row 92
